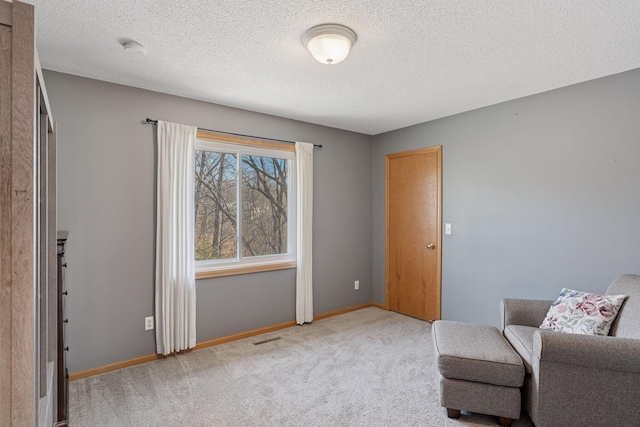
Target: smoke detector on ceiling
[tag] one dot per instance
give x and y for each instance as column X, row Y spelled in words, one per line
column 131, row 47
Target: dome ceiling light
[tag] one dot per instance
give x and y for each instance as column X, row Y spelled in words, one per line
column 329, row 43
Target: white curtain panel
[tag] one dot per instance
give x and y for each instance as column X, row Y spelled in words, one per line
column 175, row 270
column 304, row 274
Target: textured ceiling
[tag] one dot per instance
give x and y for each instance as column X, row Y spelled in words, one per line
column 414, row 61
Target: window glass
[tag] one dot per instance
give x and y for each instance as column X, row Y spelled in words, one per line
column 244, row 205
column 215, row 205
column 264, row 206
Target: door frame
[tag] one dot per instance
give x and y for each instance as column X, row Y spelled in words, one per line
column 388, row 157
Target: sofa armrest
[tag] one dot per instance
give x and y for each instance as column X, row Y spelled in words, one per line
column 590, row 351
column 525, row 312
column 581, row 380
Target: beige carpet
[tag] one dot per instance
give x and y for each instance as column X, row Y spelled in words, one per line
column 366, row 368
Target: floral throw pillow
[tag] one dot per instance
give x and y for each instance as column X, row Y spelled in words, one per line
column 582, row 313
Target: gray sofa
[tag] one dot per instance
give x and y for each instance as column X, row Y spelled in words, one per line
column 579, row 380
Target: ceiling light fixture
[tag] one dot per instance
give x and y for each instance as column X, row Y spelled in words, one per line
column 132, row 47
column 329, row 43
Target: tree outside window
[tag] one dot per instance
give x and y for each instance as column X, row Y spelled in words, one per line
column 242, row 200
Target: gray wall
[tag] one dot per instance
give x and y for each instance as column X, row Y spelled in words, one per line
column 106, row 201
column 542, row 193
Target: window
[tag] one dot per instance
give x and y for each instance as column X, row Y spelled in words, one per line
column 244, row 207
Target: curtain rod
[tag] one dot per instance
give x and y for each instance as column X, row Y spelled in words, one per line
column 155, row 122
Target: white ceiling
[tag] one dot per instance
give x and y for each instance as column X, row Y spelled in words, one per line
column 414, row 61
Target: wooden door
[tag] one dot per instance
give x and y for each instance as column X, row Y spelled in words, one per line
column 414, row 207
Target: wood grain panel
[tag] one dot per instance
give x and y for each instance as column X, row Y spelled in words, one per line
column 22, row 211
column 246, row 269
column 5, row 224
column 239, row 140
column 413, row 226
column 5, row 13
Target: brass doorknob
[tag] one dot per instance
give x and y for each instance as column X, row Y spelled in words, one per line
column 431, row 246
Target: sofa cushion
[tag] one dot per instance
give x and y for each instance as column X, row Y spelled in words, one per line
column 584, row 313
column 478, row 353
column 521, row 339
column 627, row 324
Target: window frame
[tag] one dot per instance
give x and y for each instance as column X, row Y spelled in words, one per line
column 210, row 141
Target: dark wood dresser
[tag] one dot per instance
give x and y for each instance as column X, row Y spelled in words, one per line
column 63, row 374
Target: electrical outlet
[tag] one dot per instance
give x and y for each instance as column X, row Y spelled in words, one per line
column 148, row 323
column 357, row 285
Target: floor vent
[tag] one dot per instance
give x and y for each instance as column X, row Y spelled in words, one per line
column 266, row 341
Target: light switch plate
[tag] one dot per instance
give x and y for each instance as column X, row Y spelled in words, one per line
column 447, row 229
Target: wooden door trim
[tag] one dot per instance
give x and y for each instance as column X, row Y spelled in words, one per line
column 438, row 150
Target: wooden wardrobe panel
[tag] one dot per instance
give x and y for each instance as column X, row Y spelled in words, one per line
column 5, row 223
column 23, row 316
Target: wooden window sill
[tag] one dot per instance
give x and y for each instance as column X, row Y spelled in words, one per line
column 245, row 269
